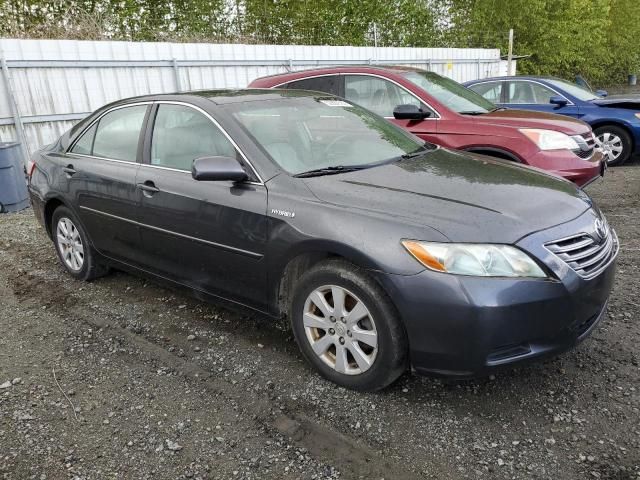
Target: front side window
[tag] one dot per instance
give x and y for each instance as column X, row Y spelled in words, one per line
column 490, row 90
column 307, row 133
column 118, row 132
column 450, row 93
column 529, row 92
column 328, row 84
column 181, row 134
column 376, row 94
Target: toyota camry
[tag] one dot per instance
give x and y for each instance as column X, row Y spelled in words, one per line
column 384, row 252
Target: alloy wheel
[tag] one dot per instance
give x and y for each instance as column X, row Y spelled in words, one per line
column 340, row 330
column 69, row 244
column 611, row 145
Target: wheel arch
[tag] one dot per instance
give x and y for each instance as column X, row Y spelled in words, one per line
column 50, row 206
column 302, row 259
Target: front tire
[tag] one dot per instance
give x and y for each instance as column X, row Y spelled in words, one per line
column 614, row 142
column 73, row 248
column 347, row 327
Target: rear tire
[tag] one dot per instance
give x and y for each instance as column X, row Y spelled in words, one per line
column 615, row 143
column 347, row 327
column 74, row 250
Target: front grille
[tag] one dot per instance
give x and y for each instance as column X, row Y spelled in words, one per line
column 587, row 254
column 584, row 154
column 587, row 144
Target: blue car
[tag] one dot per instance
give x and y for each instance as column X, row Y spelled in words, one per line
column 615, row 119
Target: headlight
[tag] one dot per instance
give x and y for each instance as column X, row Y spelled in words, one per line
column 550, row 139
column 637, row 115
column 483, row 260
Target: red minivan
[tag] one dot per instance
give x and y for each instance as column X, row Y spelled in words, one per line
column 442, row 111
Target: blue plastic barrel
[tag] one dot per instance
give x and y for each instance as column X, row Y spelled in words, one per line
column 13, row 186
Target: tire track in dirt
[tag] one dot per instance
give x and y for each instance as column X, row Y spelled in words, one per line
column 351, row 457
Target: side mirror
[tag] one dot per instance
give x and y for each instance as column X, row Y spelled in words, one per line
column 602, row 93
column 216, row 169
column 410, row 112
column 558, row 100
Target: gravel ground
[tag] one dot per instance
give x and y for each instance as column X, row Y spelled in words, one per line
column 121, row 378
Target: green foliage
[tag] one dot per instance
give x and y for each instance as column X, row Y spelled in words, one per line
column 596, row 38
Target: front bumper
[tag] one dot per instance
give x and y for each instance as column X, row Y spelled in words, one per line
column 568, row 165
column 466, row 326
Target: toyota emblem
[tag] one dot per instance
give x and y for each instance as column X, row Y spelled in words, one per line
column 600, row 228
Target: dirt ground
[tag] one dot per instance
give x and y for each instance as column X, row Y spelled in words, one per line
column 120, row 378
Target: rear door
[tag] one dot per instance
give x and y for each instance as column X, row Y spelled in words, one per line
column 100, row 171
column 210, row 236
column 382, row 96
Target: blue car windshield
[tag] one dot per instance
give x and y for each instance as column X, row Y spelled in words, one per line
column 579, row 92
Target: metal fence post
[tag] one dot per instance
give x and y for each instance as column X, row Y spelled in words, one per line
column 17, row 121
column 176, row 74
column 478, row 69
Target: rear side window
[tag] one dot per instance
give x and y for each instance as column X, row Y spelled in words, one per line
column 492, row 91
column 117, row 134
column 328, row 84
column 182, row 134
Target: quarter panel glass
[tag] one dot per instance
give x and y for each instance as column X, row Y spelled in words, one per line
column 327, row 83
column 85, row 144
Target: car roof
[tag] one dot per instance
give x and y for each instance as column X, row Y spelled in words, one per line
column 518, row 77
column 344, row 68
column 227, row 96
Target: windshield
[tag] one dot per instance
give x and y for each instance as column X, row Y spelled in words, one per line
column 308, row 133
column 579, row 92
column 450, row 93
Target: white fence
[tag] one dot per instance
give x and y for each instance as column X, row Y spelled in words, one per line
column 48, row 85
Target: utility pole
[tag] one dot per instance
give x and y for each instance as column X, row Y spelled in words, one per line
column 375, row 39
column 510, row 56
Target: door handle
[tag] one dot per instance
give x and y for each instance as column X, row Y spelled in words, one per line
column 69, row 170
column 148, row 188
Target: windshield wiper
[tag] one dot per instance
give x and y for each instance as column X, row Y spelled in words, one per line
column 497, row 109
column 427, row 147
column 330, row 170
column 473, row 112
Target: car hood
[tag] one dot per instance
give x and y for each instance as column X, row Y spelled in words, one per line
column 531, row 119
column 630, row 101
column 467, row 198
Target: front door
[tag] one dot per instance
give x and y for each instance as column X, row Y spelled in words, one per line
column 210, row 236
column 530, row 95
column 100, row 170
column 382, row 96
